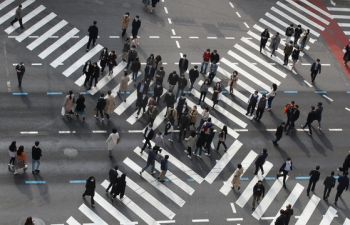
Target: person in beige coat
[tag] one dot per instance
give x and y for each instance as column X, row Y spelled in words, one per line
column 124, row 84
column 111, row 141
column 237, row 176
column 68, row 103
column 125, row 24
column 110, row 103
column 304, row 39
column 193, row 116
column 232, row 83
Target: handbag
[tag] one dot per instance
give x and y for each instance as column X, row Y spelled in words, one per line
column 95, row 111
column 344, row 51
column 118, row 140
column 63, row 111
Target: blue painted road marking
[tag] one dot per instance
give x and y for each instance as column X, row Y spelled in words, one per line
column 290, row 92
column 20, row 93
column 262, row 92
column 190, row 179
column 35, row 182
column 302, row 178
column 54, row 93
column 321, row 92
column 224, row 92
column 85, row 93
column 77, row 181
column 270, row 178
column 348, row 92
column 150, row 92
column 244, row 178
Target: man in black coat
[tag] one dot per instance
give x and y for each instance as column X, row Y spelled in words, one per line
column 297, row 32
column 169, row 100
column 315, row 69
column 93, row 34
column 113, row 175
column 184, row 122
column 259, row 162
column 160, row 74
column 87, row 70
column 328, row 183
column 20, row 69
column 343, row 184
column 142, row 103
column 158, row 91
column 252, row 101
column 194, row 74
column 294, row 116
column 136, row 24
column 310, row 118
column 95, row 74
column 148, row 135
column 319, row 114
column 279, row 133
column 142, row 87
column 173, row 78
column 288, row 213
column 258, row 191
column 314, row 177
column 281, row 219
column 214, row 57
column 149, row 73
column 183, row 64
column 182, row 83
column 100, row 106
column 90, row 187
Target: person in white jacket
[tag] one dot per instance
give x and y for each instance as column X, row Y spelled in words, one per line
column 112, row 140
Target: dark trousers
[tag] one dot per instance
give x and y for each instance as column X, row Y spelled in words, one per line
column 313, row 183
column 262, row 44
column 141, row 107
column 134, row 32
column 123, row 33
column 15, row 20
column 87, row 78
column 12, row 160
column 313, row 75
column 291, row 125
column 110, row 66
column 201, row 124
column 92, row 79
column 103, row 65
column 92, row 197
column 285, row 173
column 93, row 42
column 257, row 166
column 110, row 185
column 202, row 94
column 129, row 62
column 189, row 149
column 19, row 80
column 286, row 59
column 107, row 116
column 296, row 38
column 101, row 112
column 259, row 113
column 146, row 143
column 338, row 194
column 250, row 109
column 208, row 146
column 182, row 131
column 157, row 98
column 326, row 192
column 308, row 124
column 219, row 143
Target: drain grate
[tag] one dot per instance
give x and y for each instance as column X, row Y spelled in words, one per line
column 126, row 5
column 70, row 152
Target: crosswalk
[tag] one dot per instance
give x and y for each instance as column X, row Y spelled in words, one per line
column 342, row 16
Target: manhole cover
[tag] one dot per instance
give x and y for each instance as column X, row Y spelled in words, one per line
column 126, row 5
column 70, row 152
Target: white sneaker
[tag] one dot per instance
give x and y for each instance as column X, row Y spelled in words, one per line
column 184, row 151
column 207, row 154
column 194, row 153
column 302, row 127
column 15, row 173
column 319, row 128
column 102, row 119
column 199, row 156
column 189, row 156
column 153, row 173
column 170, row 140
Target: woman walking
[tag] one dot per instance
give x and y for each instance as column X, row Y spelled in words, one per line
column 216, row 95
column 265, row 35
column 304, row 39
column 146, row 3
column 346, row 57
column 150, row 60
column 124, row 84
column 103, row 59
column 87, row 70
column 68, row 103
column 168, row 130
column 190, row 141
column 204, row 90
column 119, row 187
column 94, row 75
column 200, row 144
column 295, row 56
column 158, row 62
column 154, row 3
column 271, row 95
column 12, row 153
column 112, row 61
column 80, row 106
column 205, row 117
column 126, row 49
column 237, row 176
column 135, row 68
column 233, row 81
column 125, row 24
column 222, row 138
column 193, row 116
column 110, row 103
column 111, row 141
column 20, row 160
column 90, row 189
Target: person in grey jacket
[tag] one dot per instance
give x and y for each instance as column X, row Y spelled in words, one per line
column 328, row 183
column 132, row 55
column 288, row 49
column 204, row 90
column 275, row 41
column 18, row 16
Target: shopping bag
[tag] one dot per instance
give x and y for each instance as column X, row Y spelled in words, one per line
column 63, row 111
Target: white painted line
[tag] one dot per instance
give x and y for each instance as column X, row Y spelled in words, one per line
column 72, row 221
column 330, row 214
column 338, row 9
column 241, row 130
column 175, row 36
column 12, row 12
column 33, row 36
column 231, row 4
column 135, row 131
column 328, row 98
column 113, row 36
column 308, row 12
column 155, row 183
column 200, row 221
column 82, row 60
column 335, row 129
column 29, row 132
column 268, row 218
column 246, row 24
column 173, row 31
column 12, row 36
column 58, row 43
column 347, row 108
column 25, row 19
column 75, row 37
column 247, row 161
column 165, row 221
column 346, row 222
column 234, row 219
column 325, row 64
column 347, row 32
column 195, row 63
column 309, row 209
column 306, row 64
column 269, row 197
column 177, row 44
column 247, row 193
column 169, row 21
column 229, row 38
column 37, row 64
column 194, row 37
column 166, row 10
column 233, row 207
column 35, row 27
column 307, row 83
column 99, row 131
column 90, row 214
column 271, row 129
column 273, row 64
column 212, row 38
column 66, row 132
column 5, row 3
column 317, row 9
column 15, row 64
column 54, row 36
column 238, row 14
column 153, row 36
column 224, row 160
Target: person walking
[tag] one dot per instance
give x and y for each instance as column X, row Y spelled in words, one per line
column 222, row 138
column 119, row 187
column 289, row 33
column 237, row 176
column 204, row 90
column 93, row 34
column 190, row 142
column 100, row 106
column 113, row 176
column 142, row 103
column 94, row 75
column 125, row 24
column 252, row 103
column 102, row 59
column 182, row 83
column 297, row 32
column 183, row 64
column 149, row 72
column 208, row 140
column 200, row 144
column 217, row 94
column 135, row 42
column 112, row 140
column 205, row 62
column 160, row 74
column 87, row 70
column 184, row 123
column 68, row 103
column 132, row 55
column 346, row 51
column 152, row 154
column 328, row 183
column 315, row 69
column 295, row 56
column 164, row 167
column 288, row 49
column 158, row 92
column 141, row 88
column 275, row 41
column 310, row 118
column 281, row 219
column 154, row 3
column 212, row 71
column 214, row 56
column 173, row 78
column 260, row 161
column 304, row 39
column 20, row 160
column 232, row 83
column 152, row 113
column 319, row 114
column 150, row 60
column 169, row 127
column 294, row 116
column 110, row 103
column 159, row 141
column 271, row 95
column 194, row 74
column 136, row 24
column 112, row 57
column 258, row 192
column 285, row 168
column 148, row 135
column 288, row 109
column 279, row 133
column 126, row 48
column 193, row 117
column 12, row 152
column 18, row 17
column 135, row 68
column 20, row 69
column 36, row 155
column 169, row 101
column 261, row 106
column 288, row 213
column 346, row 165
column 90, row 189
column 80, row 106
column 265, row 35
column 343, row 184
column 171, row 114
column 314, row 177
column 204, row 119
column 181, row 106
column 124, row 85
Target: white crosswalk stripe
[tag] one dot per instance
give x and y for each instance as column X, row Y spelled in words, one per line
column 72, row 221
column 13, row 11
column 25, row 19
column 329, row 216
column 317, row 8
column 309, row 209
column 247, row 161
column 308, row 11
column 155, row 183
column 47, row 35
column 90, row 214
column 5, row 3
column 58, row 43
column 338, row 9
column 346, row 222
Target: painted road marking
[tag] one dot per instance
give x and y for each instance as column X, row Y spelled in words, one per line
column 335, row 129
column 246, row 24
column 29, row 132
column 5, row 3
column 54, row 93
column 309, row 209
column 307, row 83
column 72, row 221
column 13, row 11
column 91, row 215
column 169, row 20
column 238, row 14
column 166, row 10
column 77, row 181
column 231, row 4
column 328, row 98
column 173, row 31
column 35, row 182
column 177, row 44
column 200, row 221
column 233, row 207
column 308, row 12
column 329, row 216
column 234, row 219
column 99, row 131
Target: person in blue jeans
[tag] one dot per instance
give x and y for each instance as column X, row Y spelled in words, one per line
column 36, row 155
column 271, row 95
column 200, row 144
column 135, row 68
column 152, row 153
